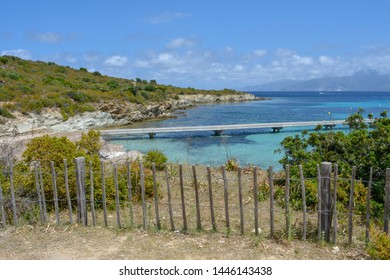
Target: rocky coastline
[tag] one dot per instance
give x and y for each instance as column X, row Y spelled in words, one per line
column 108, row 114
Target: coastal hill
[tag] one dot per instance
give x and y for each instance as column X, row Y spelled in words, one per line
column 43, row 96
column 365, row 80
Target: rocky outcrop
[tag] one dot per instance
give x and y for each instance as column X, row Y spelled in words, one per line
column 108, row 114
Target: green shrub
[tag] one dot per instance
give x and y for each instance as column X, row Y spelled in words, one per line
column 379, row 247
column 6, row 114
column 157, row 157
column 78, row 96
column 232, row 164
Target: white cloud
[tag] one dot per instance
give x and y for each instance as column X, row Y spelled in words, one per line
column 50, row 37
column 25, row 54
column 302, row 60
column 259, row 53
column 180, row 43
column 116, row 60
column 326, row 60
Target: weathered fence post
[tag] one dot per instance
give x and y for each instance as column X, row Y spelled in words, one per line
column 104, row 194
column 198, row 219
column 183, row 204
column 156, row 197
column 211, row 199
column 287, row 202
column 38, row 187
column 43, row 194
column 326, row 171
column 351, row 205
column 303, row 201
column 242, row 224
column 12, row 188
column 319, row 232
column 2, row 206
column 256, row 199
column 335, row 179
column 129, row 192
column 80, row 183
column 169, row 198
column 67, row 191
column 387, row 202
column 226, row 197
column 92, row 196
column 368, row 209
column 142, row 181
column 55, row 192
column 117, row 205
column 272, row 202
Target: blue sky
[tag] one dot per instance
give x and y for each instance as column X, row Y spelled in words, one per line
column 202, row 44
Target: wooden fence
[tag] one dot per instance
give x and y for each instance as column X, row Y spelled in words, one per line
column 183, row 198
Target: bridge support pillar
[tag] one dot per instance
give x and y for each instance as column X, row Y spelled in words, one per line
column 277, row 129
column 152, row 135
column 218, row 132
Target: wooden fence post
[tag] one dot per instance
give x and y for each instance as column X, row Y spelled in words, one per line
column 156, row 197
column 368, row 209
column 198, row 218
column 117, row 205
column 335, row 220
column 55, row 192
column 2, row 206
column 43, row 194
column 169, row 198
column 319, row 231
column 351, row 206
column 67, row 191
column 303, row 201
column 104, row 194
column 12, row 188
column 38, row 187
column 287, row 202
column 256, row 199
column 129, row 192
column 387, row 203
column 92, row 196
column 211, row 199
column 80, row 183
column 226, row 197
column 142, row 181
column 242, row 224
column 183, row 205
column 272, row 201
column 326, row 213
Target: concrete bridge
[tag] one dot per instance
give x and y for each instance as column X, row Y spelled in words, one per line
column 219, row 129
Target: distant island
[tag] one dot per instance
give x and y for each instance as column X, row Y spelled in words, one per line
column 365, row 80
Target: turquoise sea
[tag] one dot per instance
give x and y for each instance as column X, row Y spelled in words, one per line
column 251, row 147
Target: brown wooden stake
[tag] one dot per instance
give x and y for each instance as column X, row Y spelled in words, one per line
column 129, row 192
column 211, row 199
column 68, row 199
column 43, row 194
column 12, row 188
column 351, row 206
column 272, row 201
column 198, row 218
column 55, row 192
column 117, row 205
column 104, row 194
column 92, row 198
column 183, row 205
column 256, row 200
column 142, row 179
column 319, row 231
column 240, row 201
column 2, row 206
column 169, row 198
column 38, row 187
column 368, row 209
column 287, row 202
column 303, row 202
column 156, row 197
column 335, row 219
column 226, row 197
column 325, row 193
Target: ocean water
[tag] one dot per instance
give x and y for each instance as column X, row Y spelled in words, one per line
column 251, row 147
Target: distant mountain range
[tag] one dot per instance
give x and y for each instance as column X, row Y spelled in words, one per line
column 365, row 80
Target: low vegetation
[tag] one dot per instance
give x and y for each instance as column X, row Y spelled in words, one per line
column 31, row 86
